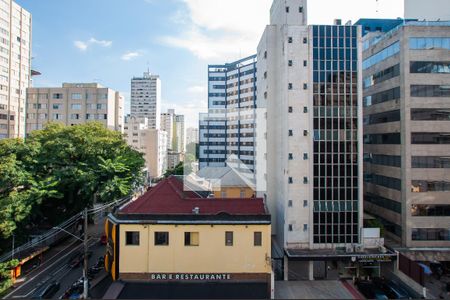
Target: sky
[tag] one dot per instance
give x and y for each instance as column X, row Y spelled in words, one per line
column 110, row 41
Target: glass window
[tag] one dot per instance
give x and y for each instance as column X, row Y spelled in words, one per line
column 132, row 238
column 431, row 138
column 75, row 106
column 430, row 67
column 432, row 114
column 191, row 239
column 419, row 43
column 382, row 55
column 430, row 91
column 430, row 162
column 430, row 234
column 77, row 96
column 257, row 238
column 430, row 210
column 424, row 186
column 161, row 238
column 229, row 238
column 381, row 76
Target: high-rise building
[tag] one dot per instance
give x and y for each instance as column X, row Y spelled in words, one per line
column 406, row 134
column 229, row 127
column 15, row 64
column 309, row 83
column 430, row 10
column 146, row 99
column 173, row 124
column 74, row 103
column 167, row 124
column 151, row 142
column 191, row 135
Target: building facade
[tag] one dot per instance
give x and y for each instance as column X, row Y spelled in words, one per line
column 151, row 142
column 146, row 99
column 172, row 239
column 406, row 134
column 310, row 84
column 15, row 66
column 229, row 127
column 192, row 136
column 168, row 125
column 72, row 104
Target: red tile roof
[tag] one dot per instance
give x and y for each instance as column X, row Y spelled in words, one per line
column 168, row 198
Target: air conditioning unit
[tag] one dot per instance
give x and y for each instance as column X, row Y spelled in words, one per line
column 359, row 248
column 349, row 249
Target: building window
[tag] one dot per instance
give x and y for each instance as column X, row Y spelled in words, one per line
column 305, row 63
column 291, row 228
column 57, row 96
column 290, row 40
column 305, row 180
column 290, row 63
column 305, row 132
column 305, row 156
column 291, row 109
column 305, row 203
column 291, row 180
column 305, row 86
column 257, row 238
column 161, row 238
column 132, row 238
column 265, row 54
column 305, row 227
column 77, row 96
column 287, row 9
column 305, row 40
column 300, row 9
column 291, row 156
column 305, row 109
column 242, row 193
column 265, row 75
column 191, row 239
column 290, row 86
column 57, row 106
column 229, row 238
column 290, row 203
column 75, row 106
column 265, row 95
column 291, row 132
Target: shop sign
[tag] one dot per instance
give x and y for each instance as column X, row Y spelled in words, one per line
column 374, row 258
column 189, row 277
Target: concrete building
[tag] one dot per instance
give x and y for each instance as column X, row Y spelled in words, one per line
column 406, row 135
column 146, row 99
column 192, row 136
column 179, row 141
column 310, row 84
column 151, row 142
column 229, row 127
column 168, row 125
column 171, row 243
column 15, row 67
column 74, row 103
column 173, row 159
column 430, row 10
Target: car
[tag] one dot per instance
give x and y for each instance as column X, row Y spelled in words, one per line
column 391, row 288
column 47, row 292
column 370, row 290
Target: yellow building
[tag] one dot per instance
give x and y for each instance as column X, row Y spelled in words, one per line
column 174, row 238
column 226, row 182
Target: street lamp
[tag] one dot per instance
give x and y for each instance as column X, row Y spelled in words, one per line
column 85, row 242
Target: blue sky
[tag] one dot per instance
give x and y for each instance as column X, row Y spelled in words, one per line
column 110, row 41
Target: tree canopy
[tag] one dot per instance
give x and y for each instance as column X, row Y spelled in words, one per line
column 56, row 172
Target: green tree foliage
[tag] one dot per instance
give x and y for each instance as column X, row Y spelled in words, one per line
column 178, row 171
column 5, row 275
column 57, row 171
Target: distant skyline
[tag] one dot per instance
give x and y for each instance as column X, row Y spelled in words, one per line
column 111, row 41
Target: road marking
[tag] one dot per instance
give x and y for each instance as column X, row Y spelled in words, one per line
column 32, row 278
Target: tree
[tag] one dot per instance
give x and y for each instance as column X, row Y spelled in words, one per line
column 60, row 170
column 177, row 171
column 5, row 275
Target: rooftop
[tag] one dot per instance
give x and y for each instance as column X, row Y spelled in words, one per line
column 169, row 198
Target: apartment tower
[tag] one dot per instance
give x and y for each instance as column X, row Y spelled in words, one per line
column 407, row 132
column 15, row 67
column 146, row 99
column 228, row 130
column 74, row 103
column 309, row 84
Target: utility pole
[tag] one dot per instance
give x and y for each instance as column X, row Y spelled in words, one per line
column 85, row 268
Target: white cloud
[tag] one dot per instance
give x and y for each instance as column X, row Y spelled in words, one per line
column 216, row 30
column 84, row 45
column 81, row 45
column 130, row 55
